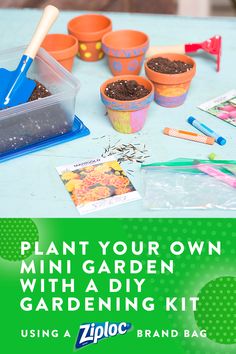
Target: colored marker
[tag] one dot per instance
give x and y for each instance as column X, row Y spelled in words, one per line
column 189, row 136
column 204, row 129
column 209, row 170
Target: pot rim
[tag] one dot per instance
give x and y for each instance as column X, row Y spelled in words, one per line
column 89, row 36
column 149, row 98
column 65, row 53
column 171, row 79
column 144, row 44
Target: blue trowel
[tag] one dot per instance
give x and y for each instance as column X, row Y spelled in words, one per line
column 15, row 87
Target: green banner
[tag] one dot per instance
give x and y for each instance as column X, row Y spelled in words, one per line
column 118, row 285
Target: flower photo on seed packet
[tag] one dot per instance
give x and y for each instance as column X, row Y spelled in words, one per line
column 223, row 107
column 97, row 186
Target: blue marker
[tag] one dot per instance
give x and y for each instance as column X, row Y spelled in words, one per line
column 204, row 129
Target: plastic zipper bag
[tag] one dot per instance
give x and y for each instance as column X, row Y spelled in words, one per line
column 190, row 184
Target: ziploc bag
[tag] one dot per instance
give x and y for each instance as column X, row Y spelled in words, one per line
column 183, row 185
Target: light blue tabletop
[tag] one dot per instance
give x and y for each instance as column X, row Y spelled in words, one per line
column 30, row 185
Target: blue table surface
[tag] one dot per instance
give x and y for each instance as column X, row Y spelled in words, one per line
column 30, row 185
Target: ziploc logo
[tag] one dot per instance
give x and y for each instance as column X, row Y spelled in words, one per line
column 92, row 333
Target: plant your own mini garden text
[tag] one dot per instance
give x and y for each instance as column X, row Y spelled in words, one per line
column 104, row 276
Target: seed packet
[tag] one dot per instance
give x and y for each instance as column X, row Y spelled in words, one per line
column 97, row 184
column 223, row 107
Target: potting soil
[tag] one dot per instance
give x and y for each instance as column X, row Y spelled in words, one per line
column 167, row 66
column 126, row 90
column 32, row 126
column 40, row 91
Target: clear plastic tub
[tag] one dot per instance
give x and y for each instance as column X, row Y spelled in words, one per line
column 38, row 120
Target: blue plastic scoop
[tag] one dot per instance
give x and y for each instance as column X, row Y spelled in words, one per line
column 15, row 87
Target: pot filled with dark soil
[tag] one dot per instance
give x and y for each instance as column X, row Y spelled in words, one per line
column 127, row 99
column 171, row 75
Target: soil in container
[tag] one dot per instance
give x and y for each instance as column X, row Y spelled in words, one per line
column 167, row 66
column 34, row 126
column 126, row 90
column 40, row 91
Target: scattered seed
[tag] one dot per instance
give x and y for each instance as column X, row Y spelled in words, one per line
column 127, row 152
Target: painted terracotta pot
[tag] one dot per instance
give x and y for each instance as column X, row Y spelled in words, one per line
column 63, row 47
column 128, row 116
column 89, row 30
column 126, row 51
column 171, row 89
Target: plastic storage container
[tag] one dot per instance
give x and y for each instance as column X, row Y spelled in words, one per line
column 38, row 120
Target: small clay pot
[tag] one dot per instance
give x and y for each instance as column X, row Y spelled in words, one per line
column 171, row 89
column 125, row 50
column 63, row 47
column 128, row 116
column 89, row 30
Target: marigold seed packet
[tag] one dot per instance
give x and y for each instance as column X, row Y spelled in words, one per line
column 97, row 184
column 223, row 107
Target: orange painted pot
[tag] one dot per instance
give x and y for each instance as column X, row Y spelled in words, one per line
column 128, row 116
column 171, row 89
column 63, row 47
column 89, row 30
column 125, row 50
